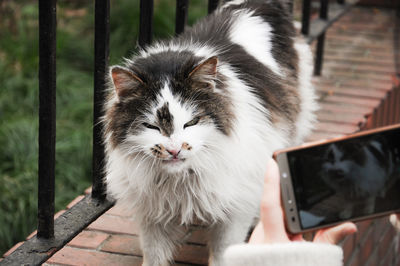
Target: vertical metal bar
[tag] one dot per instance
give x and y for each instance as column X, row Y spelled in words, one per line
column 391, row 107
column 290, row 6
column 47, row 117
column 305, row 19
column 182, row 7
column 323, row 14
column 374, row 118
column 101, row 54
column 381, row 113
column 146, row 22
column 319, row 55
column 386, row 109
column 212, row 5
column 397, row 105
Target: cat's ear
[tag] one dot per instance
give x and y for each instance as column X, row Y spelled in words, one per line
column 206, row 71
column 125, row 81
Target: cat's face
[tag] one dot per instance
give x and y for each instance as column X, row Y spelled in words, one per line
column 170, row 120
column 172, row 133
column 357, row 170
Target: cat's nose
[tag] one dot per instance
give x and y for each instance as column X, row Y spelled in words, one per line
column 174, row 152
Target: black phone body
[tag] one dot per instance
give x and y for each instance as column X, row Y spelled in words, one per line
column 344, row 179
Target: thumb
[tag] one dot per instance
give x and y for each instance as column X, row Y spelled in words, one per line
column 271, row 209
column 335, row 234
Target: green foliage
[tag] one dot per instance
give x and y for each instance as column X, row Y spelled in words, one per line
column 19, row 98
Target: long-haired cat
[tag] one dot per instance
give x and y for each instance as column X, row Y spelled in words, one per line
column 191, row 122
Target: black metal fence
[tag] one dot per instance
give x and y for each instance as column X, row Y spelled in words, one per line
column 54, row 234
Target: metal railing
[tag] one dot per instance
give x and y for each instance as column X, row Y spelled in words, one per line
column 54, row 234
column 316, row 29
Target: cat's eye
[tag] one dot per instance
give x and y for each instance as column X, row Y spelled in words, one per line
column 151, row 126
column 192, row 122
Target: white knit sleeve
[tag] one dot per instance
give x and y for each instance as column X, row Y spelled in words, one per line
column 287, row 254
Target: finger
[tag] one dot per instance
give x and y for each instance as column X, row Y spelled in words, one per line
column 271, row 209
column 395, row 220
column 257, row 236
column 335, row 234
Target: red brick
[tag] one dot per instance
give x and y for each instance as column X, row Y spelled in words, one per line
column 373, row 259
column 114, row 224
column 317, row 135
column 332, row 73
column 389, row 257
column 370, row 103
column 31, row 235
column 345, row 108
column 11, row 250
column 197, row 235
column 75, row 201
column 363, row 58
column 119, row 211
column 88, row 190
column 352, row 92
column 123, row 244
column 353, row 83
column 385, row 243
column 362, row 229
column 348, row 247
column 352, row 119
column 197, row 254
column 354, row 260
column 79, row 257
column 59, row 213
column 366, row 247
column 88, row 239
column 361, row 69
column 338, row 128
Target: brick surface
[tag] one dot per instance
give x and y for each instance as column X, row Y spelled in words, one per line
column 88, row 239
column 197, row 235
column 348, row 246
column 196, row 254
column 114, row 224
column 123, row 244
column 80, row 257
column 117, row 210
column 336, row 128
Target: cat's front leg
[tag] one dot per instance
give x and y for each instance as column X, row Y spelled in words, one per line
column 225, row 234
column 158, row 243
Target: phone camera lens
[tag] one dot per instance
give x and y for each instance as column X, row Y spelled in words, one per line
column 291, row 209
column 293, row 219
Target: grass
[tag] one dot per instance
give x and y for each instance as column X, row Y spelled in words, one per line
column 19, row 98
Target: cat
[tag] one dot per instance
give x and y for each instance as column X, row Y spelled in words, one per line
column 191, row 122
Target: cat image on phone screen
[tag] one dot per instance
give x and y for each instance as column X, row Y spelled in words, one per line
column 357, row 173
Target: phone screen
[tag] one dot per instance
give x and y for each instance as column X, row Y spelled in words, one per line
column 348, row 179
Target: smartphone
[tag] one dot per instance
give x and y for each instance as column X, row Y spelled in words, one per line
column 350, row 178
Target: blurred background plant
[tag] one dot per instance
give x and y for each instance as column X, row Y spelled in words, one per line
column 19, row 98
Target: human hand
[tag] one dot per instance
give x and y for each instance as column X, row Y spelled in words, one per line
column 271, row 228
column 395, row 220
